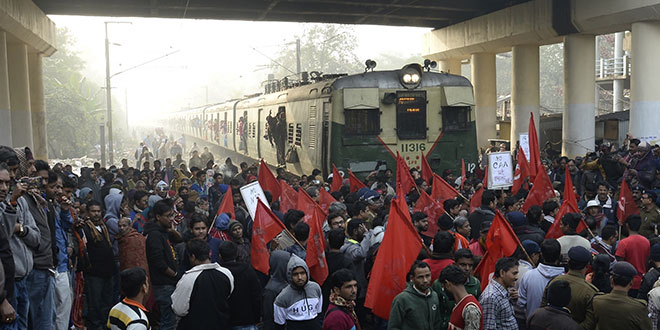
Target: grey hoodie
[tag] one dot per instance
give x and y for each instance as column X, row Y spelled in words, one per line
column 532, row 284
column 358, row 253
column 21, row 246
column 278, row 262
column 113, row 205
column 297, row 308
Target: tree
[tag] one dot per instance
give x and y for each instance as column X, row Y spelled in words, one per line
column 327, row 48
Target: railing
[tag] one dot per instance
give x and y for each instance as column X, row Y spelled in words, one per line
column 618, row 67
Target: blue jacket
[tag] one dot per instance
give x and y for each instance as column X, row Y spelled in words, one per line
column 63, row 225
column 532, row 285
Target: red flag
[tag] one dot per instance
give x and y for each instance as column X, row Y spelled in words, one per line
column 336, row 179
column 522, row 171
column 397, row 252
column 325, row 199
column 626, row 204
column 500, row 242
column 265, row 227
column 403, row 177
column 432, row 209
column 541, row 189
column 568, row 205
column 534, row 150
column 463, row 176
column 356, row 184
column 315, row 257
column 475, row 201
column 268, row 182
column 227, row 205
column 305, row 204
column 581, row 226
column 427, row 173
column 485, row 267
column 441, row 190
column 289, row 197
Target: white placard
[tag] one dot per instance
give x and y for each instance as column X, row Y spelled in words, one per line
column 524, row 144
column 500, row 170
column 250, row 193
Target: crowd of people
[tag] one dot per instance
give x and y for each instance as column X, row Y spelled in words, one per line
column 151, row 246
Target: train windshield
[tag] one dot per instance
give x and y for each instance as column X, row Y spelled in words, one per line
column 455, row 118
column 411, row 115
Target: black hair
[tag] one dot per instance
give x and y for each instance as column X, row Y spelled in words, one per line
column 198, row 248
column 68, row 182
column 357, row 208
column 608, row 232
column 417, row 264
column 445, row 223
column 269, row 196
column 336, row 238
column 443, row 242
column 41, row 165
column 635, row 141
column 463, row 254
column 601, row 273
column 572, row 220
column 534, row 214
column 228, row 251
column 162, row 206
column 509, row 201
column 550, row 250
column 196, row 217
column 52, row 177
column 181, row 189
column 336, row 195
column 621, row 280
column 8, row 156
column 417, row 216
column 234, row 182
column 504, row 264
column 487, row 197
column 342, row 276
column 194, row 169
column 453, row 274
column 634, row 222
column 332, row 216
column 215, row 176
column 352, row 226
column 292, row 216
column 132, row 280
column 93, row 202
column 450, row 203
column 139, row 195
column 604, row 184
column 549, row 206
column 199, row 174
column 301, row 231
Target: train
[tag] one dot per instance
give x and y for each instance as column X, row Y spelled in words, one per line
column 358, row 121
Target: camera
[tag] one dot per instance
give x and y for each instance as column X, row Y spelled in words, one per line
column 36, row 182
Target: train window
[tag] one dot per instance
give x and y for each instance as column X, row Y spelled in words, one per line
column 411, row 115
column 299, row 135
column 362, row 122
column 455, row 118
column 290, row 133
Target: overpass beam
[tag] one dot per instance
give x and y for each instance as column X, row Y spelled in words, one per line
column 5, row 106
column 452, row 66
column 38, row 107
column 644, row 84
column 578, row 120
column 19, row 95
column 485, row 96
column 525, row 97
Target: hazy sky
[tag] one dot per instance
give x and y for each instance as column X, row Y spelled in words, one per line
column 213, row 55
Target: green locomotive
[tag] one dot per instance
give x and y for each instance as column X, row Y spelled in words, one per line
column 357, row 121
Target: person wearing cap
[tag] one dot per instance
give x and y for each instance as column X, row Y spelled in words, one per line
column 569, row 224
column 581, row 291
column 652, row 275
column 478, row 247
column 634, row 249
column 650, row 215
column 636, row 192
column 616, row 310
column 520, row 225
column 245, row 301
column 243, row 247
column 594, row 216
column 532, row 284
column 554, row 316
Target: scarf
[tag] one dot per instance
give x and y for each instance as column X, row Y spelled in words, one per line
column 347, row 305
column 96, row 236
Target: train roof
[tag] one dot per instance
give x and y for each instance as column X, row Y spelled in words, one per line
column 390, row 80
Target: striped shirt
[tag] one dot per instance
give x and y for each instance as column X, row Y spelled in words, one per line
column 128, row 315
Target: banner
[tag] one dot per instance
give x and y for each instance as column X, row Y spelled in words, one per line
column 500, row 174
column 251, row 193
column 524, row 144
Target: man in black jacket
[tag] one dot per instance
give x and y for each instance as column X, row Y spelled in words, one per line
column 8, row 210
column 245, row 300
column 486, row 212
column 163, row 266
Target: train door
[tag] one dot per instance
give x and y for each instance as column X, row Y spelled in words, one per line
column 259, row 132
column 325, row 139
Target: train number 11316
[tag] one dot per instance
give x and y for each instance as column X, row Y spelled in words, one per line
column 412, row 147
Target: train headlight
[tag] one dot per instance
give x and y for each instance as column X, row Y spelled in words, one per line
column 411, row 75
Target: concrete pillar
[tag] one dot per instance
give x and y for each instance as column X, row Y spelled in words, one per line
column 525, row 97
column 578, row 121
column 5, row 112
column 452, row 66
column 617, row 97
column 19, row 95
column 38, row 106
column 485, row 96
column 644, row 83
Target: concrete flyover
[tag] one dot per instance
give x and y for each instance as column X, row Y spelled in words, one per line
column 26, row 36
column 523, row 28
